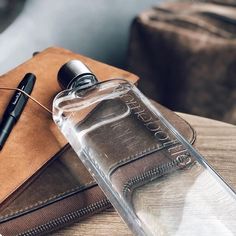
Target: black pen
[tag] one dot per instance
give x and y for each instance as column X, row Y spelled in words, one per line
column 15, row 107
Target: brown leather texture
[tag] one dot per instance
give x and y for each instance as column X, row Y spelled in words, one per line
column 138, row 144
column 63, row 187
column 54, row 184
column 123, row 141
column 63, row 176
column 35, row 138
column 56, row 215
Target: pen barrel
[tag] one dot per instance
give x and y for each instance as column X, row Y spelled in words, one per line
column 19, row 100
column 5, row 129
column 16, row 107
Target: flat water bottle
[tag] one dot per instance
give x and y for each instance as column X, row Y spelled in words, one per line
column 158, row 183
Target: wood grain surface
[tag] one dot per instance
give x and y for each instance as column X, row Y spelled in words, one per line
column 215, row 140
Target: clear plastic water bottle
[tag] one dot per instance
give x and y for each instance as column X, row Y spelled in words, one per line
column 158, row 183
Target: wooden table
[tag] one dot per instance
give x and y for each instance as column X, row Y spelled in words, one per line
column 215, row 140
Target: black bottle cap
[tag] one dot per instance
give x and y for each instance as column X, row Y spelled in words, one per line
column 72, row 71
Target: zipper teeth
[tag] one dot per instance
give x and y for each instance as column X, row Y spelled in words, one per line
column 153, row 173
column 44, row 228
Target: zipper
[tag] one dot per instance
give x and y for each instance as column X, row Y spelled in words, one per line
column 150, row 175
column 49, row 226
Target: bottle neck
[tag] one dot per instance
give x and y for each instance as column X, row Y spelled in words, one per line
column 83, row 81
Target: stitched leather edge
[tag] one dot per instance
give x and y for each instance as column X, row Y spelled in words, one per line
column 137, row 156
column 149, row 150
column 78, row 214
column 79, row 188
column 50, row 200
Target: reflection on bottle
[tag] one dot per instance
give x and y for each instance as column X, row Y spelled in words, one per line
column 153, row 177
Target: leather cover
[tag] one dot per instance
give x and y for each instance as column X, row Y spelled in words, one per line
column 62, row 191
column 35, row 138
column 63, row 187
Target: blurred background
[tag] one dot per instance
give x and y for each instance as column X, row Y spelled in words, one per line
column 183, row 51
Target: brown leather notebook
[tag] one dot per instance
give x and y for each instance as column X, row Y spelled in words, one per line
column 35, row 138
column 44, row 186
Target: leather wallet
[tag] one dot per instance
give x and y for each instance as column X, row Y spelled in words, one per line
column 44, row 186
